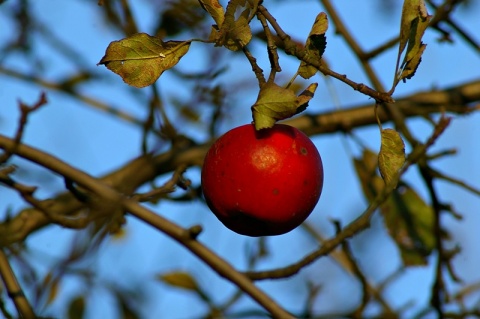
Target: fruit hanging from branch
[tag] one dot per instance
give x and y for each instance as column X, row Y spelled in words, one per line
column 262, row 183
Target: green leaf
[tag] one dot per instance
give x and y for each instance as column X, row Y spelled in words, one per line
column 275, row 103
column 415, row 20
column 315, row 46
column 410, row 222
column 392, row 155
column 180, row 279
column 140, row 59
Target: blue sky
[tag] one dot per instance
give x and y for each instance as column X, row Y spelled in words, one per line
column 97, row 143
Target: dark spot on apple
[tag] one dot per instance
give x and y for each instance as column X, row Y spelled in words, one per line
column 275, row 191
column 303, row 151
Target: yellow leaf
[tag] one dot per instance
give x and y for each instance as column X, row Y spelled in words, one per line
column 140, row 59
column 392, row 155
column 215, row 9
column 180, row 279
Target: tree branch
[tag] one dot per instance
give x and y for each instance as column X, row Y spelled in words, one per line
column 13, row 288
column 135, row 173
column 113, row 199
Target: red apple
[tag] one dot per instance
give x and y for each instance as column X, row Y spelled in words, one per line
column 262, row 183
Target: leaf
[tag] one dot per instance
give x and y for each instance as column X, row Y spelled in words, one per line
column 408, row 218
column 392, row 155
column 410, row 222
column 233, row 33
column 76, row 308
column 140, row 59
column 315, row 45
column 305, row 97
column 253, row 5
column 275, row 103
column 180, row 279
column 411, row 66
column 240, row 34
column 215, row 9
column 414, row 22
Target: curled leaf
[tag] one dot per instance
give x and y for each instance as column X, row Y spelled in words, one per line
column 414, row 22
column 392, row 155
column 239, row 34
column 315, row 45
column 231, row 31
column 215, row 9
column 412, row 64
column 140, row 59
column 275, row 103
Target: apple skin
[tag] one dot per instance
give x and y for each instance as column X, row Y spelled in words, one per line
column 262, row 183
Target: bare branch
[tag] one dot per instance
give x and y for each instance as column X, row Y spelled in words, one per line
column 13, row 288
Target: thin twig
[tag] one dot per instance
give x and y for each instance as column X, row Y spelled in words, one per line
column 353, row 44
column 292, row 49
column 166, row 188
column 27, row 193
column 346, row 263
column 271, row 47
column 255, row 68
column 436, row 174
column 13, row 288
column 443, row 14
column 80, row 97
column 25, row 111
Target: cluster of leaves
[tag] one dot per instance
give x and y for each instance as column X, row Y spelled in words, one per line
column 140, row 59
